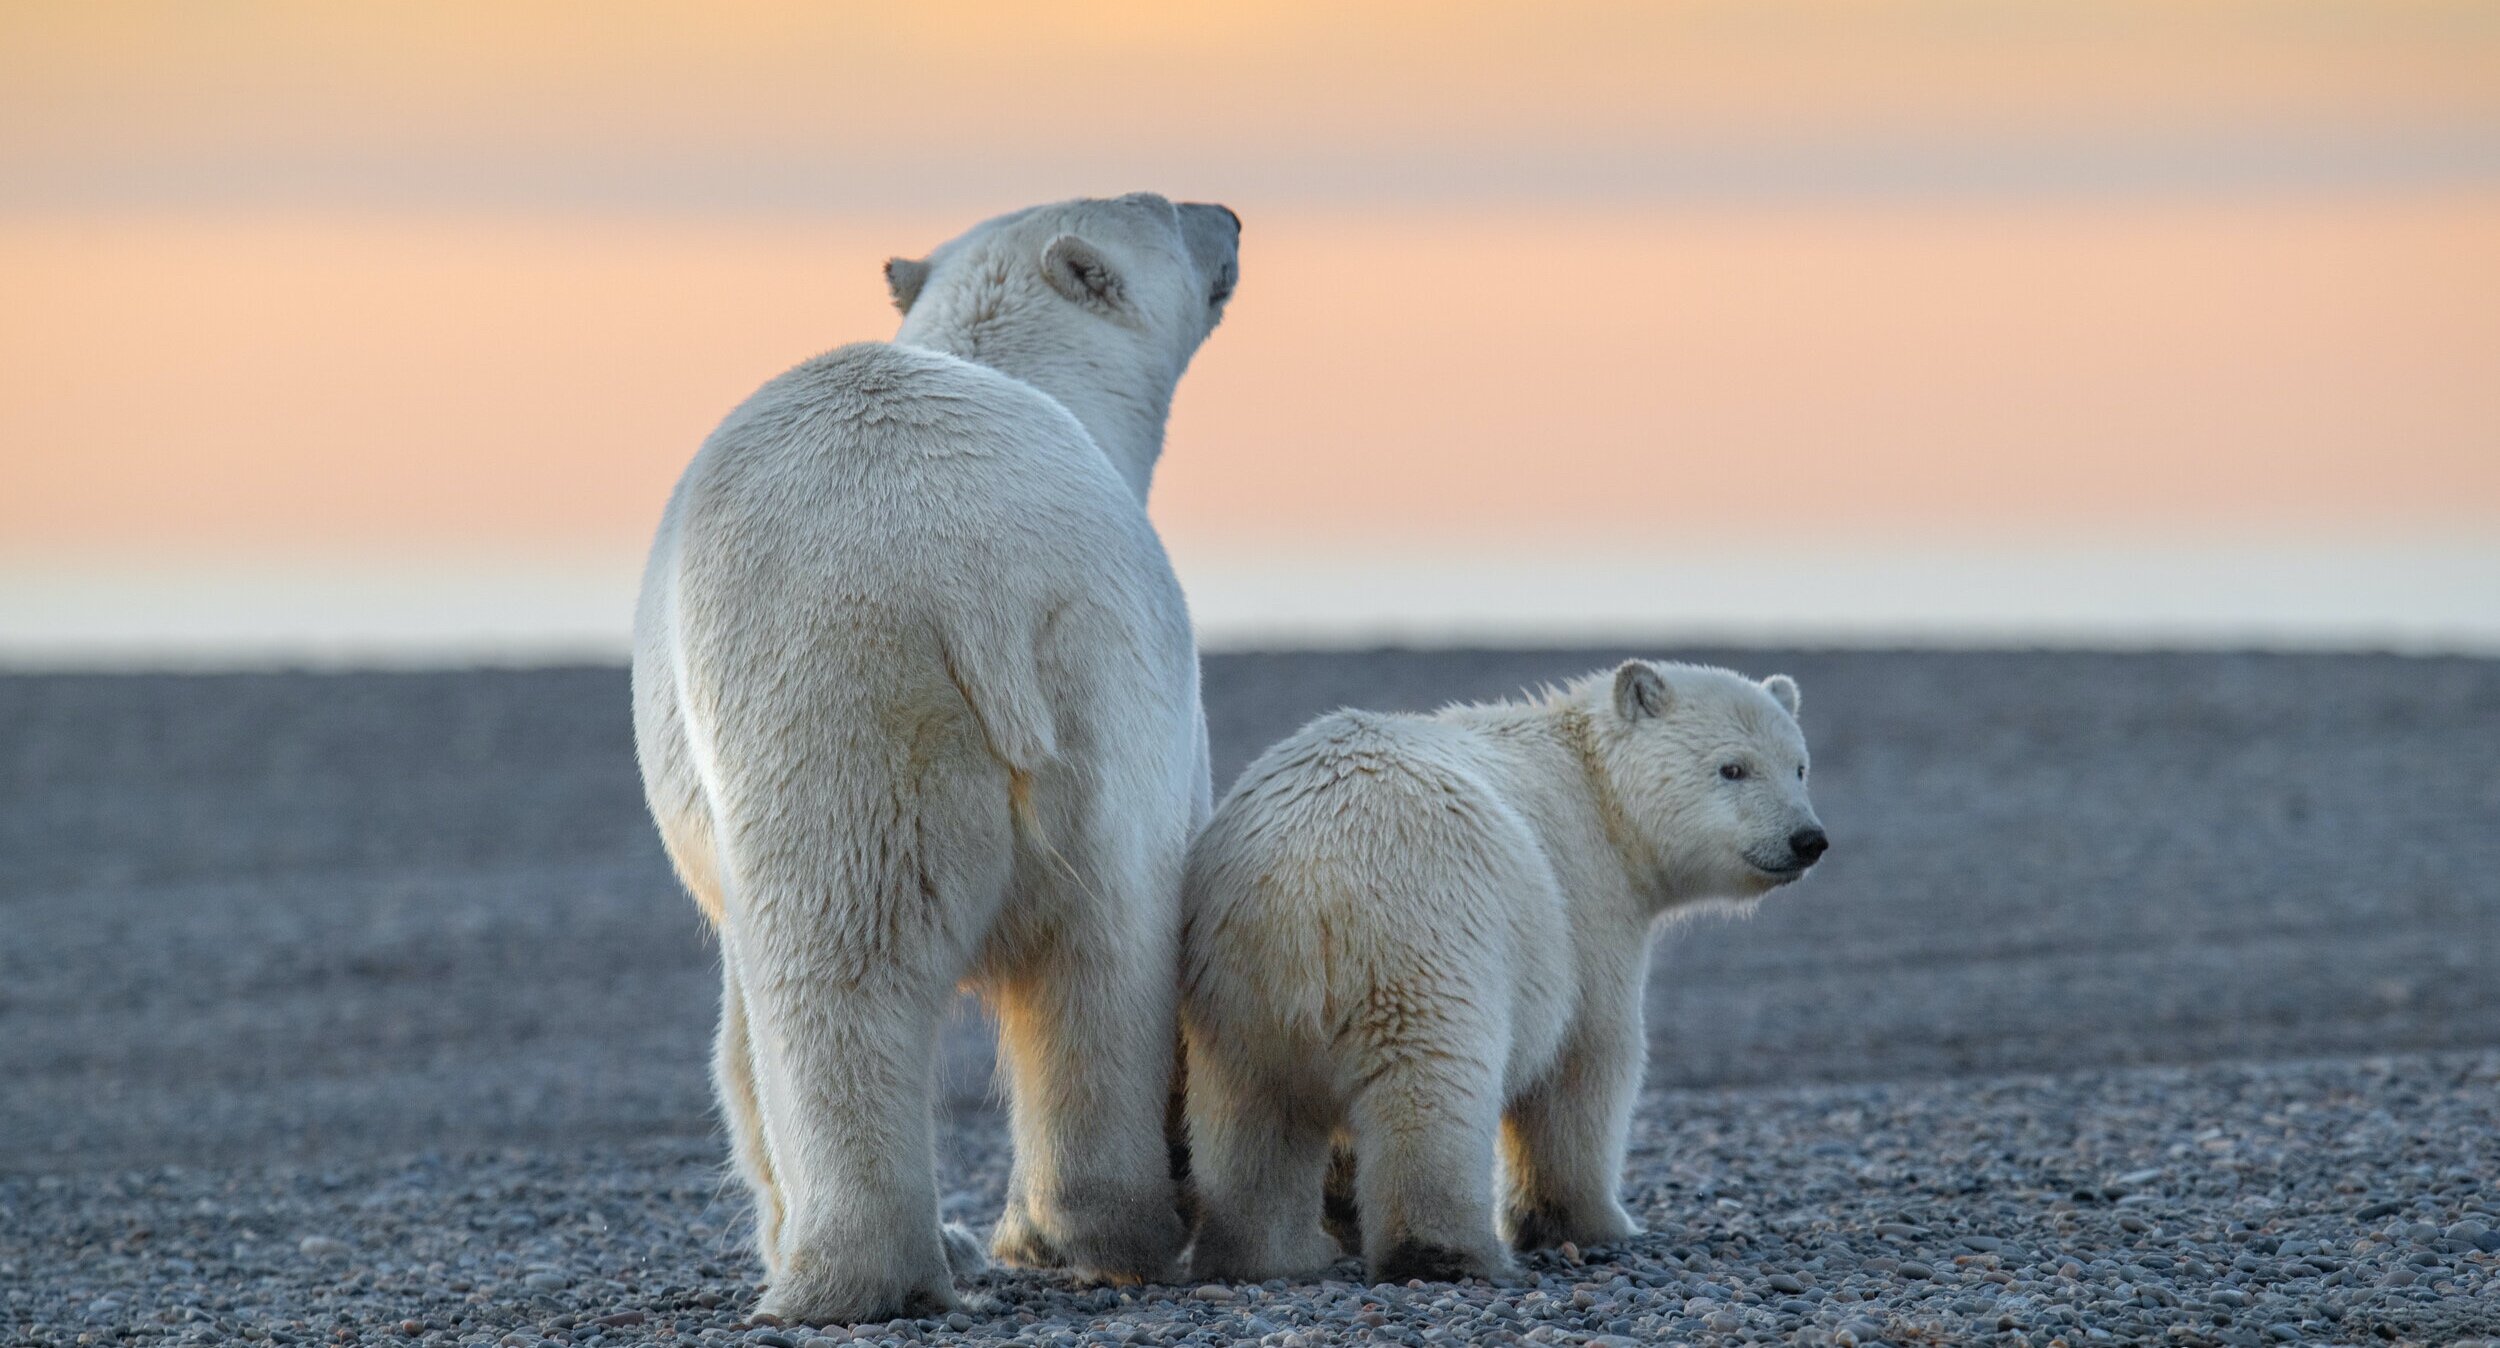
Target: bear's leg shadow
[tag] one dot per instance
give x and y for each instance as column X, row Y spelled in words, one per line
column 1086, row 1028
column 1424, row 1131
column 1259, row 1149
column 1563, row 1145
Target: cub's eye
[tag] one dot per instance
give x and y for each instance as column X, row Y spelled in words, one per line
column 1731, row 772
column 1801, row 772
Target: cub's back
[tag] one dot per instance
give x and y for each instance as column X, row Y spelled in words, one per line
column 1364, row 851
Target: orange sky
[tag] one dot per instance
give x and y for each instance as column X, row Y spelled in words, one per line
column 263, row 384
column 385, row 280
column 856, row 105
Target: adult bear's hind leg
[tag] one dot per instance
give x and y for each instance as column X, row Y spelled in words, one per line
column 845, row 1084
column 851, row 918
column 1086, row 1031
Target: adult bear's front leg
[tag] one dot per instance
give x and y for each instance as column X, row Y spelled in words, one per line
column 1086, row 1029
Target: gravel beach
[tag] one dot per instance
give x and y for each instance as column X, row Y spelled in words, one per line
column 2143, row 998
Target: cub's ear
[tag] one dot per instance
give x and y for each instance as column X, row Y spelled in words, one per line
column 1783, row 690
column 1641, row 691
column 1079, row 271
column 903, row 278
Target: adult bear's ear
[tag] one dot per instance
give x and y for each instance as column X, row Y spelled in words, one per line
column 903, row 278
column 1079, row 271
column 1641, row 691
column 1783, row 690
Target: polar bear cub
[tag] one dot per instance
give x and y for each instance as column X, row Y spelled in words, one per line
column 1433, row 932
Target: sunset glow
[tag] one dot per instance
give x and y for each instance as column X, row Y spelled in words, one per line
column 413, row 286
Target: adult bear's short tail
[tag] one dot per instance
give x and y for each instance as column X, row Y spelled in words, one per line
column 993, row 665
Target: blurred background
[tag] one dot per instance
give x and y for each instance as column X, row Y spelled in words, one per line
column 377, row 333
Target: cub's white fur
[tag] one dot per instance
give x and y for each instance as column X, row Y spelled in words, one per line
column 917, row 704
column 1432, row 932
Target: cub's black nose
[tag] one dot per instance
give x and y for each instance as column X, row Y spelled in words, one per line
column 1809, row 844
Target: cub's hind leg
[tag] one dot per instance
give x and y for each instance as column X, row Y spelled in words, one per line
column 1259, row 1147
column 1424, row 1132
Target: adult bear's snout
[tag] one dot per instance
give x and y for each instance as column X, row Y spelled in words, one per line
column 1809, row 844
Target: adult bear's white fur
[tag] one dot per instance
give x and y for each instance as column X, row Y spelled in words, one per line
column 1433, row 932
column 917, row 704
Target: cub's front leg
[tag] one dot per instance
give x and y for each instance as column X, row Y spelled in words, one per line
column 1563, row 1141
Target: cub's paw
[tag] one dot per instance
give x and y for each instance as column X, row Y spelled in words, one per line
column 1225, row 1253
column 1543, row 1227
column 1130, row 1241
column 1018, row 1242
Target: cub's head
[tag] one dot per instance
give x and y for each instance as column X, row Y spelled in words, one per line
column 1133, row 282
column 1709, row 770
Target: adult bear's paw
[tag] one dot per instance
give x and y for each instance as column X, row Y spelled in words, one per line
column 855, row 1287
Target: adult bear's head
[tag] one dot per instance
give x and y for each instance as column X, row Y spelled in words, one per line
column 1097, row 302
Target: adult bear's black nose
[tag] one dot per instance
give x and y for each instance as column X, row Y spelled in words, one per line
column 1809, row 844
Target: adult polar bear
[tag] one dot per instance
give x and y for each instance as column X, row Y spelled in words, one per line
column 916, row 701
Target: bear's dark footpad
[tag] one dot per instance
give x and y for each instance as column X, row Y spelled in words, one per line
column 1338, row 1214
column 1539, row 1228
column 1432, row 1263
